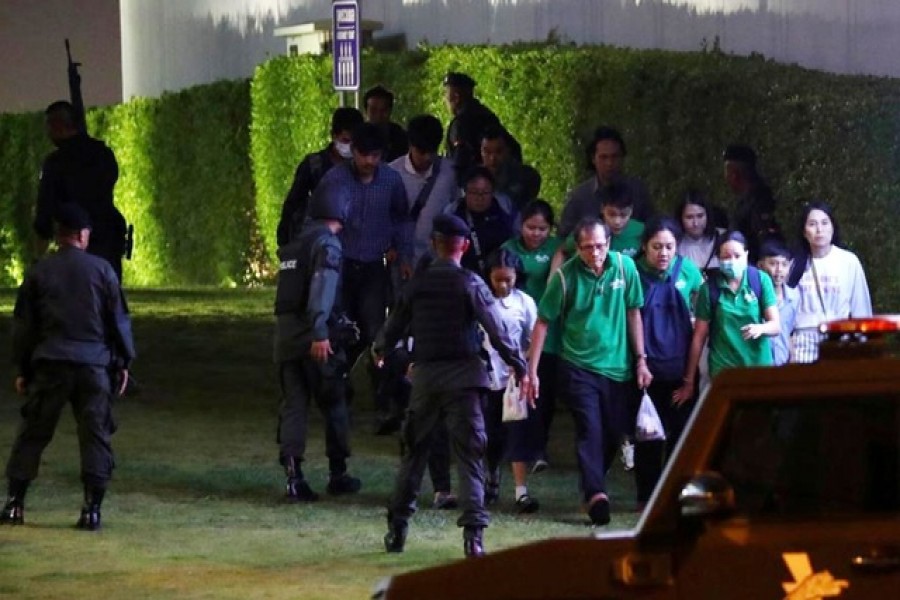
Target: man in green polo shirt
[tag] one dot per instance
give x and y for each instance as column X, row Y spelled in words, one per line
column 597, row 296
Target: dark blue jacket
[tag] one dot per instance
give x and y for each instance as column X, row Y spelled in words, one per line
column 70, row 308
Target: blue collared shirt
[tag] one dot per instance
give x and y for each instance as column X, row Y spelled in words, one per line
column 377, row 214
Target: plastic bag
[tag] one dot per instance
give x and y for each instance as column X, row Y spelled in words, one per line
column 515, row 407
column 649, row 427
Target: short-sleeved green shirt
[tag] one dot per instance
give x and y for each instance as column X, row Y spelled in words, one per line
column 628, row 242
column 690, row 279
column 537, row 269
column 593, row 313
column 734, row 310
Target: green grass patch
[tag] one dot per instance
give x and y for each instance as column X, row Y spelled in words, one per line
column 195, row 508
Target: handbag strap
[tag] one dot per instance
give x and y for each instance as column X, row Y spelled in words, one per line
column 422, row 198
column 476, row 245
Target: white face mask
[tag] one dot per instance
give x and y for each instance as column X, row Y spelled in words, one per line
column 343, row 149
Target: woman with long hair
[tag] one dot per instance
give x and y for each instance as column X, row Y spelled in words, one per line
column 698, row 218
column 830, row 279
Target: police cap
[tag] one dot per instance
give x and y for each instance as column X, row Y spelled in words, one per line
column 740, row 153
column 459, row 80
column 72, row 217
column 450, row 226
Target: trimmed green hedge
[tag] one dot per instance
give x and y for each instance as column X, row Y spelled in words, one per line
column 24, row 145
column 184, row 181
column 203, row 217
column 818, row 135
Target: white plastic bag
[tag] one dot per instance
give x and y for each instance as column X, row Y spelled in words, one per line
column 515, row 407
column 649, row 427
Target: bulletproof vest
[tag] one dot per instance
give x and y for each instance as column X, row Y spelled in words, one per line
column 443, row 323
column 295, row 269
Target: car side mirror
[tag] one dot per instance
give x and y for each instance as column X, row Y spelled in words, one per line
column 705, row 495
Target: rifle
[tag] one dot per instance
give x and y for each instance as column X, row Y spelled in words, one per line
column 75, row 91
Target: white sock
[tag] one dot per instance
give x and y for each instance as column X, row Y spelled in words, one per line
column 521, row 490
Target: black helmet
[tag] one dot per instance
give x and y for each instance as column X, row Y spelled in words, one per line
column 328, row 203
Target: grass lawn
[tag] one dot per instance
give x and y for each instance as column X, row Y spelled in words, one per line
column 195, row 510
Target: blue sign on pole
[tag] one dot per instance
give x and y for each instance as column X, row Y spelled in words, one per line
column 346, row 39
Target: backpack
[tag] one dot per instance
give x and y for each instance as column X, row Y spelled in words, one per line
column 667, row 326
column 715, row 291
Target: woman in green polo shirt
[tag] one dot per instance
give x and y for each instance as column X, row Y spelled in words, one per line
column 738, row 317
column 536, row 247
column 670, row 283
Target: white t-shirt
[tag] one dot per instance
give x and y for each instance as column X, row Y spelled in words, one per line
column 699, row 251
column 842, row 282
column 443, row 192
column 519, row 315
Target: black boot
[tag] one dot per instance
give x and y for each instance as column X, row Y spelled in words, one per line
column 14, row 509
column 90, row 512
column 395, row 538
column 296, row 489
column 473, row 544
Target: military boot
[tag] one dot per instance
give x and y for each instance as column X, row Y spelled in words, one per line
column 296, row 489
column 14, row 509
column 90, row 511
column 395, row 538
column 473, row 544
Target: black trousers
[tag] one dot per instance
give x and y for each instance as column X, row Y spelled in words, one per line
column 365, row 292
column 461, row 410
column 305, row 381
column 56, row 384
column 600, row 409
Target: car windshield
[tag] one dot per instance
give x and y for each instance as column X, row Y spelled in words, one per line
column 832, row 456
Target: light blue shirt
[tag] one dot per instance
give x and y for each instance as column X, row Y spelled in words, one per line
column 787, row 313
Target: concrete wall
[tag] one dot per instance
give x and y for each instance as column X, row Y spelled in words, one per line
column 33, row 54
column 171, row 44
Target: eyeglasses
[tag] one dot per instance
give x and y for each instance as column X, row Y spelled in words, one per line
column 592, row 247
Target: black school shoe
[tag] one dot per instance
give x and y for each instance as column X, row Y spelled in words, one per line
column 526, row 505
column 598, row 511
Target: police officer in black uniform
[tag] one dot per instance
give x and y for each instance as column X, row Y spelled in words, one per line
column 311, row 340
column 82, row 170
column 470, row 119
column 442, row 306
column 70, row 331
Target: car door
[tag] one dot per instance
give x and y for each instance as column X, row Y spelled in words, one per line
column 815, row 471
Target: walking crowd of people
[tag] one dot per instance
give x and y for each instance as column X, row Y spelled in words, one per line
column 468, row 296
column 450, row 281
